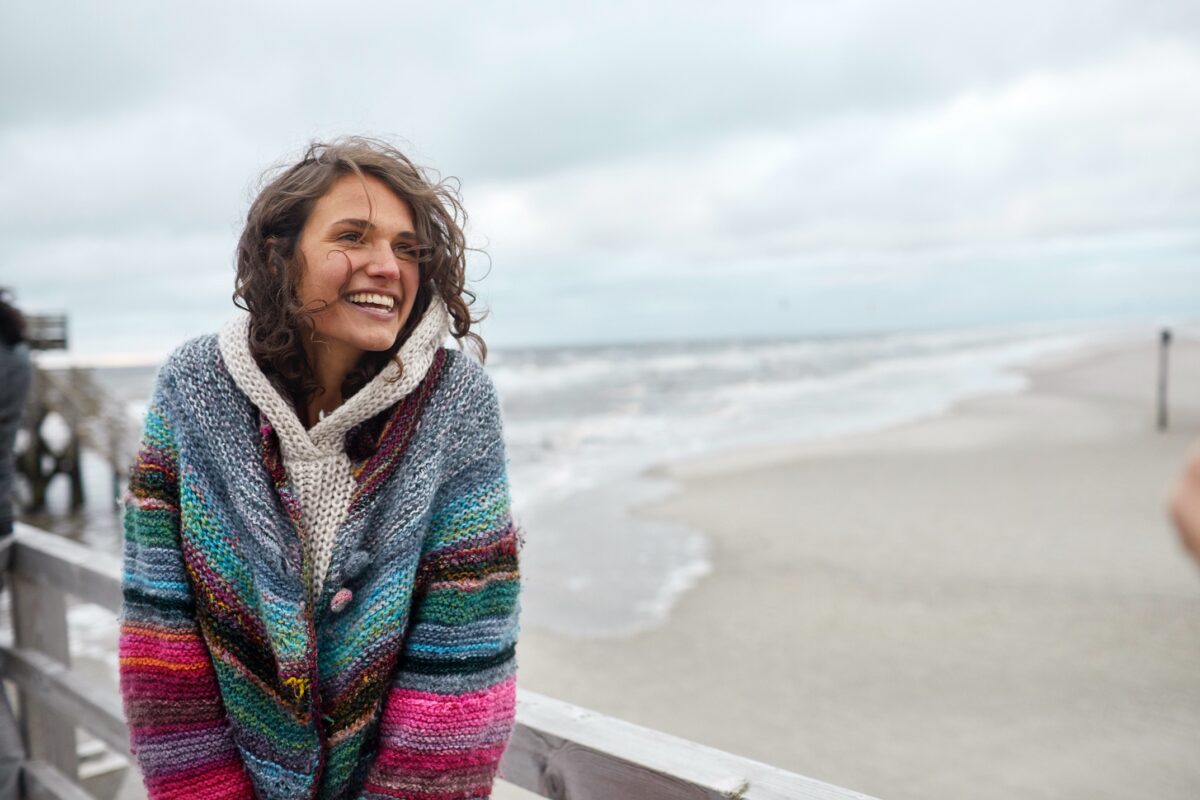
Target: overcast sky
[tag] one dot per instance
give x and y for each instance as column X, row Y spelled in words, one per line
column 636, row 170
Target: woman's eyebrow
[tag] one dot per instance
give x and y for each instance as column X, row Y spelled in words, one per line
column 356, row 223
column 363, row 224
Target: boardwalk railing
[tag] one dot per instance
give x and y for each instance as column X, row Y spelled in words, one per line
column 557, row 750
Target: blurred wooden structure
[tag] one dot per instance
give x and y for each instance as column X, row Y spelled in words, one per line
column 557, row 750
column 39, row 462
column 89, row 418
column 46, row 331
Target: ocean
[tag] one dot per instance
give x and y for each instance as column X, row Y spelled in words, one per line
column 586, row 425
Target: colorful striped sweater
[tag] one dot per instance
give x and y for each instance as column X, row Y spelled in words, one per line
column 244, row 676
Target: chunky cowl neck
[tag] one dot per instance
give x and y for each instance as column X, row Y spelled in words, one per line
column 315, row 459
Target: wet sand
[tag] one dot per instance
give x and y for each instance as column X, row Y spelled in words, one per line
column 989, row 604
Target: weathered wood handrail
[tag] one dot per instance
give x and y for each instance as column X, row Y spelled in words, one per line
column 557, row 750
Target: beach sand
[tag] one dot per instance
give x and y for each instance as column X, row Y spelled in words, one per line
column 990, row 604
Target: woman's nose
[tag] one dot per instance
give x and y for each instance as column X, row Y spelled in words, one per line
column 382, row 262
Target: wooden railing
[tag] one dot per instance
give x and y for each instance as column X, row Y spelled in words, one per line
column 557, row 750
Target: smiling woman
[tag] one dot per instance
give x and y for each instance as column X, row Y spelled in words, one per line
column 320, row 565
column 356, row 210
column 359, row 278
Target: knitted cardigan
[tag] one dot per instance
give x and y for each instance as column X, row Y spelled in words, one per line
column 244, row 674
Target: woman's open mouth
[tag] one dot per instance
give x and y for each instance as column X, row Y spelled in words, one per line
column 379, row 304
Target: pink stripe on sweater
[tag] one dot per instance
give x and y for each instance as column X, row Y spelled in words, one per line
column 438, row 762
column 141, row 645
column 222, row 781
column 413, row 710
column 142, row 681
column 410, row 791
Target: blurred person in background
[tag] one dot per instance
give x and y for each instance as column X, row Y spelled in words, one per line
column 320, row 564
column 1184, row 504
column 16, row 371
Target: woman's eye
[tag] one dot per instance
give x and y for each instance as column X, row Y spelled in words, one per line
column 350, row 236
column 405, row 250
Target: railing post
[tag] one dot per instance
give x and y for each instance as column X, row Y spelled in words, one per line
column 1164, row 346
column 40, row 624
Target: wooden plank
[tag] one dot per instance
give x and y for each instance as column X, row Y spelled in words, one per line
column 59, row 687
column 503, row 790
column 81, row 571
column 559, row 750
column 40, row 624
column 43, row 782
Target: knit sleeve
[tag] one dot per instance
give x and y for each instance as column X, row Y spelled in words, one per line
column 451, row 705
column 177, row 724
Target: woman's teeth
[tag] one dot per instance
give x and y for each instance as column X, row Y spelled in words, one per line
column 369, row 299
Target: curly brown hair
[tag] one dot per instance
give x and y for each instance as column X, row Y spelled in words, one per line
column 269, row 264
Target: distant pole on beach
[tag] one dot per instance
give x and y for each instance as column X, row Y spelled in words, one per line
column 1164, row 345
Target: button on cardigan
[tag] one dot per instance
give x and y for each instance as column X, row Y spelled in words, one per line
column 260, row 660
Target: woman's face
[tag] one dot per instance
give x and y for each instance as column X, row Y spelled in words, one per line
column 359, row 265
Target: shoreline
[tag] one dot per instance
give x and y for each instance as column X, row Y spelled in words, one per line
column 990, row 409
column 648, row 563
column 902, row 611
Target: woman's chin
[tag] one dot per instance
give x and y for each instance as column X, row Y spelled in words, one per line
column 377, row 344
column 377, row 339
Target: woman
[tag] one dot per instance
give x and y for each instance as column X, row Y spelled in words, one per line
column 321, row 569
column 16, row 371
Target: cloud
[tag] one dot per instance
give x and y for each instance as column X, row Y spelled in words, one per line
column 804, row 148
column 1099, row 150
column 177, row 167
